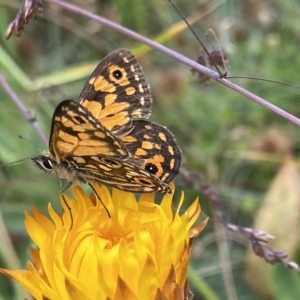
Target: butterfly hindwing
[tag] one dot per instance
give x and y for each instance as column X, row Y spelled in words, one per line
column 117, row 92
column 156, row 146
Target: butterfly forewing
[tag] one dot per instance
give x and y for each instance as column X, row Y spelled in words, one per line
column 156, row 146
column 117, row 92
column 75, row 132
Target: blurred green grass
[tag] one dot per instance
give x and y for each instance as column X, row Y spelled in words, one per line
column 212, row 124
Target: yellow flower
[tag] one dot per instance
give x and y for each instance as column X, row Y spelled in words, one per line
column 141, row 252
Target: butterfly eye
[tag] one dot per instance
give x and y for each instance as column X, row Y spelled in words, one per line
column 151, row 168
column 47, row 164
column 117, row 74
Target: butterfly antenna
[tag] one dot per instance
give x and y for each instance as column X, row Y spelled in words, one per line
column 19, row 160
column 24, row 138
column 197, row 37
column 100, row 199
column 15, row 162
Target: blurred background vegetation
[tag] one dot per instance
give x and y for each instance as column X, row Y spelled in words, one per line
column 248, row 154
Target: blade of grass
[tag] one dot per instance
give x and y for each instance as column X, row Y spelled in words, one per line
column 68, row 74
column 15, row 71
column 201, row 286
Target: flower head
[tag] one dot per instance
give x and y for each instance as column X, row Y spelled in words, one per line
column 140, row 252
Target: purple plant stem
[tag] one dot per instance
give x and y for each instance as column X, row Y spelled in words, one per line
column 214, row 75
column 26, row 113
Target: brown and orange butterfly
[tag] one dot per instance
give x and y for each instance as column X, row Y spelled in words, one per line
column 103, row 136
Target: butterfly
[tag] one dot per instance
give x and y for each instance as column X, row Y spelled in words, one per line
column 104, row 136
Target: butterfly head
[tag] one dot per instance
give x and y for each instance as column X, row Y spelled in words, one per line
column 44, row 162
column 62, row 169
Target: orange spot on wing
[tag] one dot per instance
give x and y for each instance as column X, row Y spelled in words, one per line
column 83, row 136
column 114, row 108
column 118, row 119
column 101, row 84
column 110, row 99
column 171, row 150
column 147, row 145
column 92, row 80
column 94, row 107
column 165, row 176
column 140, row 152
column 88, row 150
column 172, row 163
column 80, row 160
column 128, row 139
column 100, row 134
column 162, row 136
column 141, row 89
column 130, row 91
column 83, row 127
column 67, row 145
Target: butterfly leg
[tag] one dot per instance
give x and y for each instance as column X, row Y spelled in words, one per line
column 100, row 200
column 69, row 209
column 62, row 190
